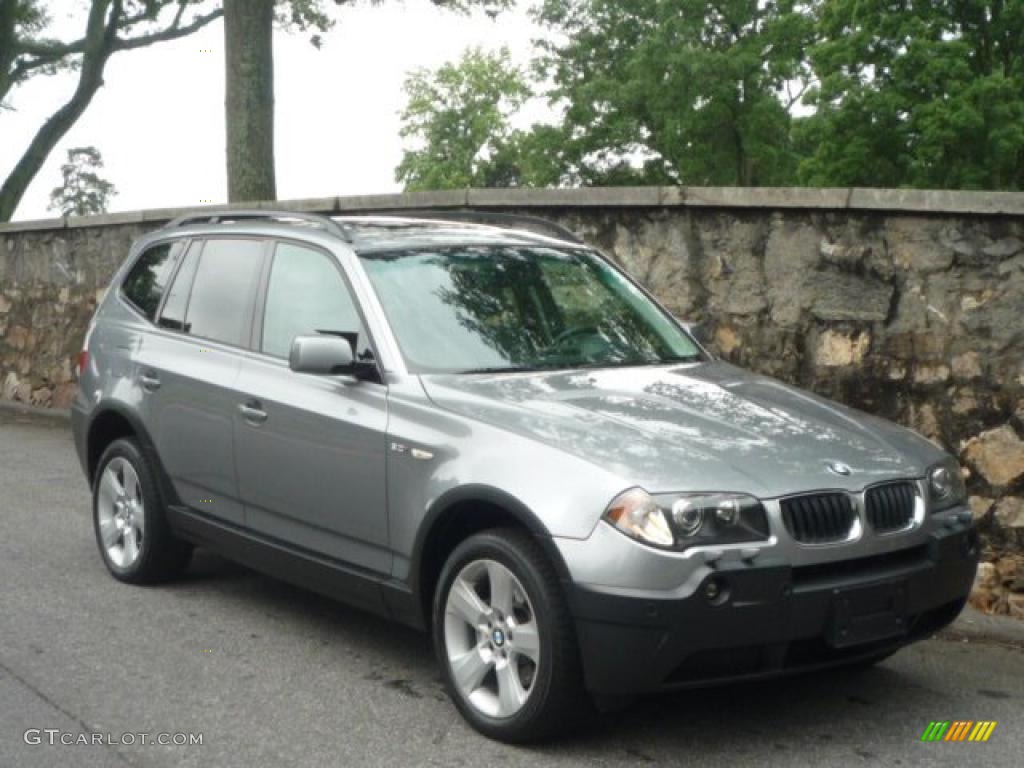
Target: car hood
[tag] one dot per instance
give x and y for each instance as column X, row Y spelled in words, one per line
column 705, row 426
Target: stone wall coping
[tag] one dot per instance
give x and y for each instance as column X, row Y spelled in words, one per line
column 896, row 201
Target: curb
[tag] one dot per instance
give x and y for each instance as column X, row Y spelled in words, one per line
column 973, row 626
column 36, row 413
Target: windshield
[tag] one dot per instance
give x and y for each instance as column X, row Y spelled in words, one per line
column 503, row 308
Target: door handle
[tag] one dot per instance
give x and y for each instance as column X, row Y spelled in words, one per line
column 252, row 412
column 149, row 381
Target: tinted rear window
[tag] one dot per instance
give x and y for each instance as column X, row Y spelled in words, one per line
column 220, row 307
column 173, row 314
column 144, row 286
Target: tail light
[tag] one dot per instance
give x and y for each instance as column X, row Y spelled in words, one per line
column 83, row 361
column 83, row 356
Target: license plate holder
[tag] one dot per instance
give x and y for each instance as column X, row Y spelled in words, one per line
column 865, row 614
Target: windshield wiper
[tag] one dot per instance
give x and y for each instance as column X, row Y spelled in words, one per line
column 640, row 363
column 694, row 358
column 505, row 369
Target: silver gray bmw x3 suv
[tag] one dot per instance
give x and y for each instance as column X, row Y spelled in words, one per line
column 493, row 433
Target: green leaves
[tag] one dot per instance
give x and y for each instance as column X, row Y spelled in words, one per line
column 917, row 95
column 691, row 87
column 888, row 93
column 458, row 120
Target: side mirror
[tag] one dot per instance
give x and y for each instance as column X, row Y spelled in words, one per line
column 323, row 355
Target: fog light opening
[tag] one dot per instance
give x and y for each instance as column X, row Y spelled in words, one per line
column 716, row 591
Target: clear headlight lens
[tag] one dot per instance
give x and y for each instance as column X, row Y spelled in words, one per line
column 945, row 485
column 636, row 514
column 679, row 521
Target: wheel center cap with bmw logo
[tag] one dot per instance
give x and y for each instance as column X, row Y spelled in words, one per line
column 498, row 637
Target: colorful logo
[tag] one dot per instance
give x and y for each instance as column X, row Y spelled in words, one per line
column 958, row 730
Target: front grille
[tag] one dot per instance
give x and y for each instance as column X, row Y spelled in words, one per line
column 890, row 506
column 819, row 518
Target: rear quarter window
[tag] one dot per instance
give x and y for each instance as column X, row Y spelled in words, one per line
column 146, row 281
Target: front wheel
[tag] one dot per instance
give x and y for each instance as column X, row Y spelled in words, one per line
column 504, row 638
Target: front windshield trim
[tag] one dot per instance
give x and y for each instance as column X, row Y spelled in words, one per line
column 368, row 256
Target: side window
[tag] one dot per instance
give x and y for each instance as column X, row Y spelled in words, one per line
column 219, row 306
column 173, row 314
column 306, row 294
column 145, row 283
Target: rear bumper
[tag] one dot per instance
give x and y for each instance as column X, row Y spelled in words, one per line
column 772, row 619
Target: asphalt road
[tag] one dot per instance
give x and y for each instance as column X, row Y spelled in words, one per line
column 271, row 675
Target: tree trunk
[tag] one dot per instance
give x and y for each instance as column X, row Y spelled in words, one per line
column 249, row 99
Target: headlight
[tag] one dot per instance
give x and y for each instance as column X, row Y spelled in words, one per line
column 945, row 485
column 679, row 521
column 636, row 514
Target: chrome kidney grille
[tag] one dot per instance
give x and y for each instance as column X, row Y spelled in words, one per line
column 890, row 507
column 820, row 518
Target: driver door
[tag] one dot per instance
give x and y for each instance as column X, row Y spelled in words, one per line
column 311, row 449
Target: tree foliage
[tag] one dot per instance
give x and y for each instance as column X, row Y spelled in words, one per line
column 739, row 92
column 458, row 118
column 921, row 94
column 83, row 191
column 691, row 87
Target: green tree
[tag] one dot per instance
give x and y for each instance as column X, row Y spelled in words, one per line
column 111, row 26
column 83, row 191
column 919, row 94
column 457, row 120
column 676, row 91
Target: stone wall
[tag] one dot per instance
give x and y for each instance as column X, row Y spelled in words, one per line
column 906, row 304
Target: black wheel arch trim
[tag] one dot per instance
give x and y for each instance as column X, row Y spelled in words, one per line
column 144, row 439
column 474, row 492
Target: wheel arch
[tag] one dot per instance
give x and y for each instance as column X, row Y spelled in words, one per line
column 458, row 514
column 112, row 421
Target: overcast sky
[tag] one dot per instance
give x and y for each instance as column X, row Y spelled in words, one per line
column 159, row 118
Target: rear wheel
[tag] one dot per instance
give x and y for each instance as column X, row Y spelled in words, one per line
column 128, row 516
column 504, row 638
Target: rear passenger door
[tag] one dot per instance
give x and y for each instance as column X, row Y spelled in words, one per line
column 311, row 449
column 188, row 366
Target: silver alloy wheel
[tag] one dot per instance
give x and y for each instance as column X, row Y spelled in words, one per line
column 120, row 512
column 491, row 638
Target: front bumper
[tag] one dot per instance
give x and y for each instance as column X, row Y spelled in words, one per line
column 772, row 619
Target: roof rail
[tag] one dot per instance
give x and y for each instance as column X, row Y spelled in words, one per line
column 227, row 216
column 495, row 218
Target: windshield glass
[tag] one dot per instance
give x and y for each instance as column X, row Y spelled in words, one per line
column 484, row 308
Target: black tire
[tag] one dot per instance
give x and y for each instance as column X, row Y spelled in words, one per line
column 556, row 699
column 161, row 555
